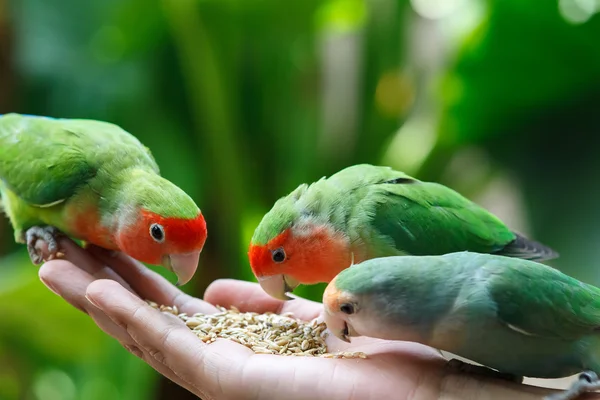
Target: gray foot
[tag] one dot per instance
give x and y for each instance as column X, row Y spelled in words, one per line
column 47, row 234
column 456, row 365
column 588, row 382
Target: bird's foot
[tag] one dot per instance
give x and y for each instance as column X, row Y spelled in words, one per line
column 588, row 382
column 47, row 234
column 459, row 366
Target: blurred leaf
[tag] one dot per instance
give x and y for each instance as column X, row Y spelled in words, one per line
column 342, row 15
column 524, row 58
column 61, row 341
column 241, row 101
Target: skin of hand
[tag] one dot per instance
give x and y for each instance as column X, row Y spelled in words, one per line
column 110, row 286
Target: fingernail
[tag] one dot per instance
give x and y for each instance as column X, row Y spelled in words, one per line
column 91, row 300
column 49, row 286
column 134, row 350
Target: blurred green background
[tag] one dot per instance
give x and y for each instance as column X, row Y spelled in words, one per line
column 242, row 100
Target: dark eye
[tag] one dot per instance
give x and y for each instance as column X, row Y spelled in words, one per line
column 347, row 308
column 157, row 232
column 278, row 255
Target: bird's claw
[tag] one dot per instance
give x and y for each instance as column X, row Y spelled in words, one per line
column 47, row 234
column 588, row 382
column 457, row 365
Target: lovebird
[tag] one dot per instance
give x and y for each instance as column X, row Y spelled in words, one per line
column 94, row 181
column 516, row 316
column 365, row 212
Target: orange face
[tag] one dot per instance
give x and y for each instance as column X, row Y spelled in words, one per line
column 334, row 298
column 175, row 243
column 339, row 307
column 316, row 254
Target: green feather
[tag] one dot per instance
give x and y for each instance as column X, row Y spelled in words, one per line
column 390, row 213
column 524, row 294
column 36, row 161
column 513, row 315
column 47, row 164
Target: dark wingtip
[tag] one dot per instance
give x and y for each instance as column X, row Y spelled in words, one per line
column 528, row 249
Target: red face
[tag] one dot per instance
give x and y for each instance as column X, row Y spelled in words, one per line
column 173, row 242
column 314, row 256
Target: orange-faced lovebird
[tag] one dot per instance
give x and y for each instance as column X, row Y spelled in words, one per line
column 94, row 181
column 365, row 212
column 516, row 316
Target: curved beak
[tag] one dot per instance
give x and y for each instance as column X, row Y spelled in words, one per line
column 278, row 285
column 183, row 265
column 337, row 326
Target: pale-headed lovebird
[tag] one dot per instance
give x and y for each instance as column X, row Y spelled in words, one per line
column 516, row 316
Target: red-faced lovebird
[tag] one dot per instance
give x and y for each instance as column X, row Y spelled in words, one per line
column 516, row 316
column 95, row 182
column 365, row 212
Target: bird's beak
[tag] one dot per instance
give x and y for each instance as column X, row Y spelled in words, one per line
column 337, row 326
column 183, row 265
column 343, row 334
column 278, row 285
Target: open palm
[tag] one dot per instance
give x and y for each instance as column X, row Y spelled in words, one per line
column 110, row 288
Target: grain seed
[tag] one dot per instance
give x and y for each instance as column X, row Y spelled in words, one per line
column 266, row 333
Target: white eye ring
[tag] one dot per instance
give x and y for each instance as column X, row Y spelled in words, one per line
column 157, row 233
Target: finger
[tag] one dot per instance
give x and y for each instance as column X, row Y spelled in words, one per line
column 67, row 281
column 247, row 296
column 71, row 282
column 105, row 323
column 170, row 342
column 87, row 263
column 149, row 284
column 158, row 367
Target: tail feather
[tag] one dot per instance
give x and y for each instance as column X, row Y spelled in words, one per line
column 528, row 249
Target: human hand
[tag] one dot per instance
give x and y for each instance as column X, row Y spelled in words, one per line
column 110, row 288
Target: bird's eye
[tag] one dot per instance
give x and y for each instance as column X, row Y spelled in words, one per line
column 278, row 255
column 347, row 308
column 157, row 232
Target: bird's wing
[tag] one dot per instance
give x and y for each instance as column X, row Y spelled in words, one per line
column 45, row 160
column 427, row 218
column 538, row 300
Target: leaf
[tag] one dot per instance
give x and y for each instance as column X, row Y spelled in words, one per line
column 522, row 59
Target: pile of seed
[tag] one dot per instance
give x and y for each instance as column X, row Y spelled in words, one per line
column 267, row 333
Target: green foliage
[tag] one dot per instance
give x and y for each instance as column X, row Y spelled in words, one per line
column 226, row 95
column 240, row 101
column 51, row 351
column 521, row 60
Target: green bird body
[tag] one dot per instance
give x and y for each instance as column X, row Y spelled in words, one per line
column 95, row 182
column 513, row 315
column 365, row 212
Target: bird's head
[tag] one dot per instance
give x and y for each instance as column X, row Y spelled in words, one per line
column 290, row 247
column 387, row 298
column 342, row 309
column 161, row 225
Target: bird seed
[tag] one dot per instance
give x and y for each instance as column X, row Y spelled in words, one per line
column 267, row 333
